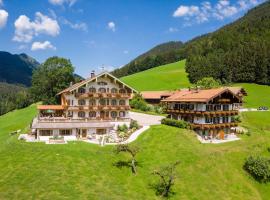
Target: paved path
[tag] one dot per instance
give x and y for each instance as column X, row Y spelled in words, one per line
column 251, row 109
column 145, row 119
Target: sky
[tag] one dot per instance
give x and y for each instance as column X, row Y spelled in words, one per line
column 96, row 34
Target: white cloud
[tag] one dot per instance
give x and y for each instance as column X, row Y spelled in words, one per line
column 25, row 29
column 205, row 11
column 77, row 26
column 42, row 46
column 3, row 18
column 111, row 26
column 125, row 52
column 173, row 30
column 62, row 2
column 186, row 11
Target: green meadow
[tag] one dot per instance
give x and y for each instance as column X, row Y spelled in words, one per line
column 80, row 170
column 167, row 77
column 173, row 76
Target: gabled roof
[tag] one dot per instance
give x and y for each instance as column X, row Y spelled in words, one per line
column 198, row 95
column 156, row 94
column 238, row 91
column 77, row 85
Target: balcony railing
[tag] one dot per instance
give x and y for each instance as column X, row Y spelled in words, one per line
column 214, row 126
column 99, row 107
column 69, row 120
column 102, row 95
column 217, row 112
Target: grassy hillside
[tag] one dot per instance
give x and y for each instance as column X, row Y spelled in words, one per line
column 166, row 77
column 173, row 76
column 80, row 170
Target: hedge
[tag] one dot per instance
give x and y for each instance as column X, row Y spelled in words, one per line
column 176, row 123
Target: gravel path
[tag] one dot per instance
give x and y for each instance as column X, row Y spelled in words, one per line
column 145, row 119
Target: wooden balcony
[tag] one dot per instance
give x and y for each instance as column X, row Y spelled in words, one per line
column 214, row 126
column 208, row 113
column 102, row 95
column 98, row 107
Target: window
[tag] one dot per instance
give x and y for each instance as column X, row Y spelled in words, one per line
column 114, row 102
column 217, row 107
column 226, row 107
column 102, row 83
column 113, row 90
column 81, row 114
column 113, row 114
column 209, row 107
column 65, row 132
column 102, row 90
column 216, row 120
column 208, row 120
column 122, row 114
column 92, row 102
column 102, row 102
column 45, row 132
column 122, row 102
column 68, row 102
column 92, row 114
column 122, row 91
column 92, row 90
column 191, row 106
column 81, row 102
column 225, row 119
column 70, row 113
column 81, row 90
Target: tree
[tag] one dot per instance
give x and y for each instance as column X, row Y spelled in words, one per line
column 208, row 83
column 132, row 150
column 54, row 75
column 167, row 176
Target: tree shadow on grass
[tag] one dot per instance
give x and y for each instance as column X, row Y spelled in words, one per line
column 121, row 164
column 159, row 189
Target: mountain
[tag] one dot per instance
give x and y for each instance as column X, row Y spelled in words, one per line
column 238, row 52
column 161, row 54
column 16, row 68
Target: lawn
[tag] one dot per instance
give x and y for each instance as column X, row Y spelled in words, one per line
column 167, row 77
column 80, row 170
column 258, row 95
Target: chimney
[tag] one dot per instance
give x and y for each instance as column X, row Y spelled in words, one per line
column 92, row 74
column 71, row 83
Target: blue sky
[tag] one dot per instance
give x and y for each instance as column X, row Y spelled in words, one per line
column 109, row 33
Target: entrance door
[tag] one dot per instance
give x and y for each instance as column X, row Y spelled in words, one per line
column 221, row 134
column 101, row 131
column 84, row 133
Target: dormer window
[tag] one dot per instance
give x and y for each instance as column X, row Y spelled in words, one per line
column 102, row 83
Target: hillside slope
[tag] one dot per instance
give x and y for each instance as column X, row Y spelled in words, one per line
column 167, row 77
column 16, row 68
column 238, row 52
column 160, row 55
column 79, row 170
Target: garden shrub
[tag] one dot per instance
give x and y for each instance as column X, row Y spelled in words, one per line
column 134, row 124
column 123, row 128
column 176, row 123
column 258, row 167
column 137, row 102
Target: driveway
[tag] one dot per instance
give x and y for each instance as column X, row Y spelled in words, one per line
column 145, row 119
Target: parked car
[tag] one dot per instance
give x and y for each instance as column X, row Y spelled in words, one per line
column 263, row 108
